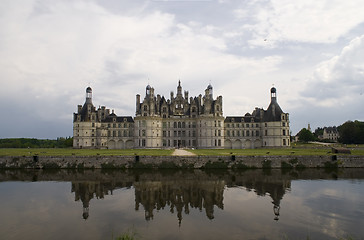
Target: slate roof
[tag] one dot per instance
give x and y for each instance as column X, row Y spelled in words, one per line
column 118, row 119
column 273, row 113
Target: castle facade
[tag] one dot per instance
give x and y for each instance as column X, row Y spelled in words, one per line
column 181, row 121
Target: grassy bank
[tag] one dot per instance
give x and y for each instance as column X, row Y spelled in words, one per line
column 299, row 150
column 82, row 152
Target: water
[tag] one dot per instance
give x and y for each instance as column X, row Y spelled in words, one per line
column 309, row 204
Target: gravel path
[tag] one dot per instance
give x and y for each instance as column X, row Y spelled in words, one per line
column 181, row 152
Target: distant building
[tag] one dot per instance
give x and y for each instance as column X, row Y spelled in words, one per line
column 330, row 133
column 195, row 122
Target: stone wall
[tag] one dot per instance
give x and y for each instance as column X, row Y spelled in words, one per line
column 232, row 161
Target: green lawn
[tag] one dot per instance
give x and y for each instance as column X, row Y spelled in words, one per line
column 297, row 149
column 302, row 149
column 81, row 152
column 261, row 151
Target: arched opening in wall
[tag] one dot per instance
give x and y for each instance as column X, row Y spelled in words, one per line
column 120, row 144
column 129, row 144
column 248, row 144
column 257, row 143
column 111, row 144
column 236, row 144
column 228, row 144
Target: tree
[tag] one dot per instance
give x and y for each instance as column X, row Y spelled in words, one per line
column 305, row 135
column 351, row 132
column 318, row 132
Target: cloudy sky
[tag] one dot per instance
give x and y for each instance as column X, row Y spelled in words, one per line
column 311, row 50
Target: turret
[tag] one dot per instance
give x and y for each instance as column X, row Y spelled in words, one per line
column 209, row 91
column 88, row 95
column 273, row 94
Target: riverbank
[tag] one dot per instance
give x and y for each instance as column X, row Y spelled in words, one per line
column 192, row 162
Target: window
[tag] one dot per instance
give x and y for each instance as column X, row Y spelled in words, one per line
column 145, row 108
column 228, row 133
column 284, row 142
column 284, row 132
column 257, row 133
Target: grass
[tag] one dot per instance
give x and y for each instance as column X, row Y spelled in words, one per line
column 296, row 150
column 260, row 151
column 82, row 152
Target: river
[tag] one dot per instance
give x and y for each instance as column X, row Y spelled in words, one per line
column 192, row 204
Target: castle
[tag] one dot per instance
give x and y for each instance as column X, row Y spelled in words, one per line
column 181, row 121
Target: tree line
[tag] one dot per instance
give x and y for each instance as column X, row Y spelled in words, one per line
column 60, row 142
column 350, row 132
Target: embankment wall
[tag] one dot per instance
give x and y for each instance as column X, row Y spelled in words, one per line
column 231, row 161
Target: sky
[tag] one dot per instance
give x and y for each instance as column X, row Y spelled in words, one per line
column 312, row 51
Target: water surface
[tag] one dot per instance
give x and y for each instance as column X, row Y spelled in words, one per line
column 192, row 204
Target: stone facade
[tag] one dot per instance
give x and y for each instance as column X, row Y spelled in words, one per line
column 330, row 133
column 181, row 121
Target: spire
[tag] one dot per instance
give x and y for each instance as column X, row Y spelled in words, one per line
column 179, row 88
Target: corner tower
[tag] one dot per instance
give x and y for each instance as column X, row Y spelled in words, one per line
column 276, row 124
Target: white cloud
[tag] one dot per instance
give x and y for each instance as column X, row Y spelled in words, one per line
column 300, row 21
column 339, row 80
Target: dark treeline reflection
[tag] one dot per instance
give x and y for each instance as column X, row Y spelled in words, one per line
column 177, row 191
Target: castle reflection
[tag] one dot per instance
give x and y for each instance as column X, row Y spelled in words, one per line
column 181, row 191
